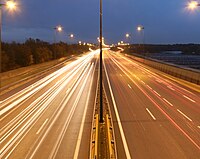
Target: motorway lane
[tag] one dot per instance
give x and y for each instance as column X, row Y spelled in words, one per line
column 48, row 118
column 152, row 111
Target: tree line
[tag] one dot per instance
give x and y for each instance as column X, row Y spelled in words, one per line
column 35, row 51
column 149, row 48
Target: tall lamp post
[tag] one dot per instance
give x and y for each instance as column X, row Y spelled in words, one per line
column 128, row 37
column 140, row 28
column 58, row 28
column 10, row 5
column 101, row 64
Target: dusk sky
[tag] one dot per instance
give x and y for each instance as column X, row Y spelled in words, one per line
column 165, row 21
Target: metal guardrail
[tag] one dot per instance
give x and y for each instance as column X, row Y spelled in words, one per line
column 110, row 136
column 174, row 70
column 95, row 138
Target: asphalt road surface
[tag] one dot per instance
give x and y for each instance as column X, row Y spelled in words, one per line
column 154, row 118
column 52, row 118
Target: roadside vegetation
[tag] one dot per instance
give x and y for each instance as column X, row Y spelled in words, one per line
column 34, row 51
column 190, row 49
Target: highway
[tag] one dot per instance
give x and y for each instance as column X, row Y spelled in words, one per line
column 153, row 116
column 52, row 117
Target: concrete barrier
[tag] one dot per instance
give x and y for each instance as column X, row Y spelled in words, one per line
column 190, row 75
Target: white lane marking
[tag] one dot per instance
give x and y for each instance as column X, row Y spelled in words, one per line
column 184, row 115
column 42, row 126
column 68, row 119
column 149, row 87
column 83, row 121
column 157, row 93
column 198, row 127
column 128, row 156
column 189, row 98
column 68, row 90
column 129, row 86
column 167, row 101
column 151, row 114
column 159, row 81
column 170, row 87
column 121, row 75
column 143, row 82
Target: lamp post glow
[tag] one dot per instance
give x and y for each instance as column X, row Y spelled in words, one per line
column 140, row 28
column 59, row 29
column 127, row 35
column 71, row 35
column 193, row 5
column 11, row 6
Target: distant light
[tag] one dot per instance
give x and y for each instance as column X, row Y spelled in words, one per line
column 59, row 28
column 11, row 5
column 193, row 5
column 122, row 42
column 127, row 35
column 140, row 27
column 80, row 42
column 71, row 35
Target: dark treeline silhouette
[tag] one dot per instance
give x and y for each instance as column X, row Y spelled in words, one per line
column 35, row 51
column 148, row 48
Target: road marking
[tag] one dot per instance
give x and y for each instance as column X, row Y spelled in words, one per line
column 143, row 82
column 128, row 156
column 184, row 115
column 42, row 126
column 68, row 90
column 76, row 153
column 167, row 101
column 189, row 98
column 170, row 87
column 198, row 127
column 157, row 93
column 159, row 81
column 121, row 75
column 150, row 114
column 166, row 114
column 129, row 86
column 149, row 87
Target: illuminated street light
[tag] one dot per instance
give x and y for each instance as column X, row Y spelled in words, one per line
column 59, row 29
column 193, row 5
column 127, row 35
column 71, row 35
column 140, row 28
column 11, row 6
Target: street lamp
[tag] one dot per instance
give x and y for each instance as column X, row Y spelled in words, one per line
column 71, row 35
column 193, row 5
column 58, row 29
column 127, row 35
column 11, row 6
column 140, row 28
